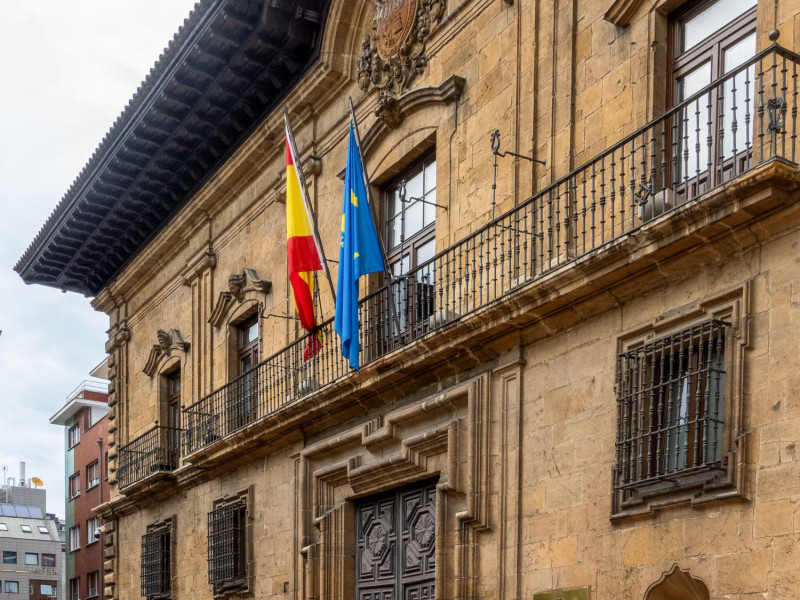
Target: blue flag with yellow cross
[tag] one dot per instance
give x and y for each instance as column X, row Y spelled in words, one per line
column 359, row 252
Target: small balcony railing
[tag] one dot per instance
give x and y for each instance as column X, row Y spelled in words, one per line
column 156, row 451
column 743, row 120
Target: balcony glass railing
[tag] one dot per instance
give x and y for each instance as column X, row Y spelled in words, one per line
column 743, row 120
column 158, row 450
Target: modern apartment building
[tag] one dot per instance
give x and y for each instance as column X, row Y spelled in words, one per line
column 578, row 375
column 30, row 543
column 85, row 422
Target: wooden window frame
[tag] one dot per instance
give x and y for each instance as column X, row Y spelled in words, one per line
column 681, row 63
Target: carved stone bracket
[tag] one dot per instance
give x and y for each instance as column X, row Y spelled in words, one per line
column 168, row 342
column 394, row 54
column 621, row 11
column 241, row 286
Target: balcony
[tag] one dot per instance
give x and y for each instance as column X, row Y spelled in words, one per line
column 155, row 452
column 736, row 125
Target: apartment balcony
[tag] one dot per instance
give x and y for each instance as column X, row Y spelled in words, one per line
column 149, row 458
column 700, row 170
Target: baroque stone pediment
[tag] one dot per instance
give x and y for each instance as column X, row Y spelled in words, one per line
column 168, row 342
column 241, row 286
column 394, row 53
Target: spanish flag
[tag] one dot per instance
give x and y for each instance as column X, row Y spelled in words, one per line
column 302, row 246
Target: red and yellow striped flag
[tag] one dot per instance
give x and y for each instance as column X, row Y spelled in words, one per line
column 305, row 255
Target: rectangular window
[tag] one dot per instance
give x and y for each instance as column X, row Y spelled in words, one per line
column 48, row 560
column 75, row 588
column 92, row 530
column 25, row 528
column 74, row 538
column 713, row 135
column 409, row 216
column 156, row 562
column 9, row 557
column 92, row 474
column 3, row 527
column 74, row 435
column 75, row 485
column 47, row 589
column 670, row 402
column 227, row 549
column 43, row 529
column 93, row 581
column 12, row 587
column 32, row 559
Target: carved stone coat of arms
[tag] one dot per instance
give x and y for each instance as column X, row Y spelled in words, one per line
column 395, row 51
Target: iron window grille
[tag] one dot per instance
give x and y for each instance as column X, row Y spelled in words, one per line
column 156, row 562
column 670, row 403
column 227, row 549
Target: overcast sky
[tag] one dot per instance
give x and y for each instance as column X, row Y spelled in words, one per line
column 68, row 68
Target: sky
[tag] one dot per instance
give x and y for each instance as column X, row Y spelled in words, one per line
column 68, row 70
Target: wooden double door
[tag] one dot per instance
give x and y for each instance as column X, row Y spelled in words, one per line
column 396, row 544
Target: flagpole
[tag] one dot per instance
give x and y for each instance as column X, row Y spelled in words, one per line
column 307, row 199
column 369, row 192
column 389, row 274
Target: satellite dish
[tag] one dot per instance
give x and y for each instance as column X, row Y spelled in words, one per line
column 37, row 482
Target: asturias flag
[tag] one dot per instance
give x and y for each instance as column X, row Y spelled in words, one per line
column 303, row 249
column 359, row 252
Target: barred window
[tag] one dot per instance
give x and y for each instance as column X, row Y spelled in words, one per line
column 156, row 562
column 670, row 403
column 227, row 550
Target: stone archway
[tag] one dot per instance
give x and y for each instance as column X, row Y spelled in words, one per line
column 678, row 584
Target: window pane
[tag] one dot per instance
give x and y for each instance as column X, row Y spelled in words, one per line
column 47, row 589
column 12, row 587
column 393, row 233
column 738, row 97
column 424, row 253
column 31, row 558
column 694, row 154
column 715, row 17
column 414, row 187
column 430, row 176
column 414, row 219
column 43, row 529
column 25, row 528
column 3, row 527
column 9, row 557
column 429, row 208
column 48, row 560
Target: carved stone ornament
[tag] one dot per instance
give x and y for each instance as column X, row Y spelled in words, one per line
column 241, row 286
column 394, row 54
column 168, row 342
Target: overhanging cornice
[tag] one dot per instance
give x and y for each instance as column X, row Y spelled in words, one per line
column 228, row 66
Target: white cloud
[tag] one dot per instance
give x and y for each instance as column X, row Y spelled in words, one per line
column 68, row 70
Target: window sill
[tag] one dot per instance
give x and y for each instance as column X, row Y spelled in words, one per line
column 74, row 550
column 92, row 543
column 91, row 487
column 71, row 498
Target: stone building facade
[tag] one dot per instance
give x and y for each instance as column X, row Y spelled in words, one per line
column 578, row 382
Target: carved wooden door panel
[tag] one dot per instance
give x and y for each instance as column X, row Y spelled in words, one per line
column 396, row 544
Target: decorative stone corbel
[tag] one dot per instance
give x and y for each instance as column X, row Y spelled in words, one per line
column 621, row 12
column 241, row 286
column 168, row 342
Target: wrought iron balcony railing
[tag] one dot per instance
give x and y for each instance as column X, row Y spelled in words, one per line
column 736, row 123
column 158, row 450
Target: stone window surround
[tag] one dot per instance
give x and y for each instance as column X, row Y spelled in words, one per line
column 733, row 306
column 170, row 524
column 246, row 497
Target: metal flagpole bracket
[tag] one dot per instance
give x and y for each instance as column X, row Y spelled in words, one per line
column 495, row 141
